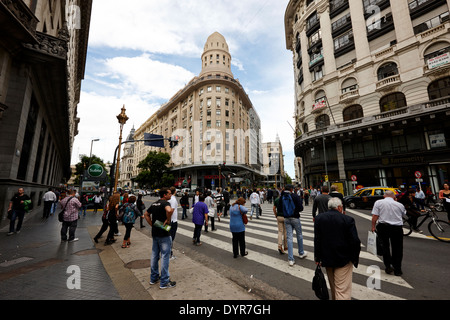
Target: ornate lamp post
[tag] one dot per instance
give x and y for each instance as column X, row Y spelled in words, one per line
column 122, row 117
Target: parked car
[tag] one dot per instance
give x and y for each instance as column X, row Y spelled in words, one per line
column 366, row 197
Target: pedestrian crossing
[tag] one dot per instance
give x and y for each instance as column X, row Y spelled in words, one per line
column 262, row 234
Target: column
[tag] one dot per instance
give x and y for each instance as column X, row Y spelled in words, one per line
column 327, row 39
column 341, row 161
column 402, row 20
column 359, row 29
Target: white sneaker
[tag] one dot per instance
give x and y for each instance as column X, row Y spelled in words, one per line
column 303, row 255
column 291, row 263
column 73, row 240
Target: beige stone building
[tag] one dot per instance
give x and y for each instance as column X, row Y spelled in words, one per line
column 273, row 163
column 127, row 167
column 43, row 47
column 372, row 84
column 217, row 123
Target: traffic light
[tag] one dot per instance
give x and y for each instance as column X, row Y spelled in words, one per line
column 174, row 141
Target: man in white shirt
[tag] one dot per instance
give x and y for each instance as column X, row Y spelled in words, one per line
column 97, row 202
column 174, row 219
column 255, row 202
column 49, row 198
column 387, row 220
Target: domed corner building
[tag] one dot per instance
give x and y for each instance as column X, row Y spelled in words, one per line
column 217, row 124
column 372, row 85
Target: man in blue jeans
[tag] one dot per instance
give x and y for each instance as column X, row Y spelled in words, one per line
column 292, row 222
column 162, row 242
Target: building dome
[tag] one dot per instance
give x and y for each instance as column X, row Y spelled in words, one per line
column 216, row 58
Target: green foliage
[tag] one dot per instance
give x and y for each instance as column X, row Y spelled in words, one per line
column 155, row 172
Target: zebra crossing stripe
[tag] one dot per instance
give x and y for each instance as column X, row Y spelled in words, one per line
column 362, row 269
column 358, row 291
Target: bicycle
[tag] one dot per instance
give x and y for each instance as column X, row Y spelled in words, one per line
column 439, row 229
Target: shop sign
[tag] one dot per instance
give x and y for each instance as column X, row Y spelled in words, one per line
column 438, row 61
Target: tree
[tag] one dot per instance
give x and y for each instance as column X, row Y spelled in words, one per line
column 155, row 172
column 84, row 164
column 287, row 178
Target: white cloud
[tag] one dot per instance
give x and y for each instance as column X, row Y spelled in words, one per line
column 143, row 56
column 153, row 79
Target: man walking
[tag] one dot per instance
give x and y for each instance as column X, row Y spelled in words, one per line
column 17, row 209
column 71, row 206
column 337, row 248
column 292, row 221
column 174, row 218
column 321, row 202
column 255, row 202
column 387, row 220
column 160, row 211
column 49, row 198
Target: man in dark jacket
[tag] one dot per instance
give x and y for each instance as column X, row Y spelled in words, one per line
column 337, row 247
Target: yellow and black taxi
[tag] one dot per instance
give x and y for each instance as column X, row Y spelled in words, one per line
column 366, row 197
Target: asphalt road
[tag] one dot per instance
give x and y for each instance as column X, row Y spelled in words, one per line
column 426, row 275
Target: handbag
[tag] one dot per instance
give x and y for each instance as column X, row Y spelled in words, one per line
column 244, row 216
column 372, row 243
column 61, row 213
column 319, row 284
column 212, row 212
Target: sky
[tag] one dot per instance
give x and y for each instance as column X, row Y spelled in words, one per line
column 142, row 52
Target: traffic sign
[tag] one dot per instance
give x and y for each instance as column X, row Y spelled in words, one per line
column 95, row 170
column 354, row 178
column 418, row 174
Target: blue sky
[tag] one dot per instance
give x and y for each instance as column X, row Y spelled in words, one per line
column 141, row 52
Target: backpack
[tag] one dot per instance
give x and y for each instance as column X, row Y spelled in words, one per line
column 128, row 215
column 287, row 204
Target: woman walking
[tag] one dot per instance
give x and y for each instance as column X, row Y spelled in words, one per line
column 237, row 227
column 140, row 204
column 444, row 195
column 111, row 217
column 211, row 211
column 130, row 213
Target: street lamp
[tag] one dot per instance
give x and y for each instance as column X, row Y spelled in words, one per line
column 90, row 155
column 122, row 117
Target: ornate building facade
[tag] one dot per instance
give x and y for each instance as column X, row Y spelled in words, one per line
column 216, row 121
column 43, row 47
column 372, row 89
column 273, row 163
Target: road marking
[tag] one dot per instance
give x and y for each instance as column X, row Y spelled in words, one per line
column 358, row 291
column 362, row 269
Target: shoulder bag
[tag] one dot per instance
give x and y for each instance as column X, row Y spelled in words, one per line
column 319, row 284
column 244, row 216
column 61, row 213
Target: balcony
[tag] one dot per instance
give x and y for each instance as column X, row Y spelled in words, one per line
column 375, row 121
column 349, row 96
column 317, row 61
column 340, row 26
column 418, row 8
column 388, row 83
column 338, row 6
column 380, row 27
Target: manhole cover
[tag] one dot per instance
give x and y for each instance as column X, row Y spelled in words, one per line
column 88, row 252
column 138, row 264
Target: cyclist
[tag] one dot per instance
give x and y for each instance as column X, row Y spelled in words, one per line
column 409, row 201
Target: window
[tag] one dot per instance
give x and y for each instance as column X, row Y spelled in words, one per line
column 434, row 22
column 322, row 121
column 439, row 88
column 218, row 123
column 218, row 89
column 208, row 102
column 218, row 112
column 218, row 102
column 209, row 89
column 353, row 112
column 392, row 101
column 344, row 40
column 387, row 70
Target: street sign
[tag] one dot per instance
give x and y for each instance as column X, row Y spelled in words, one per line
column 418, row 174
column 95, row 170
column 354, row 178
column 156, row 140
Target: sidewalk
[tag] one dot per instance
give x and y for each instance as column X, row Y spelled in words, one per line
column 35, row 264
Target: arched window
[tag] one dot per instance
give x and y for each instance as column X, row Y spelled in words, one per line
column 353, row 112
column 439, row 88
column 349, row 84
column 392, row 101
column 305, row 128
column 322, row 121
column 387, row 70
